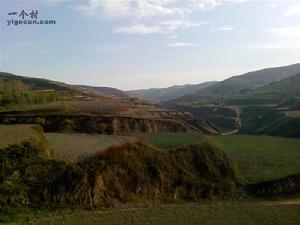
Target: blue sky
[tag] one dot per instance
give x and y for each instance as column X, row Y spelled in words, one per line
column 149, row 43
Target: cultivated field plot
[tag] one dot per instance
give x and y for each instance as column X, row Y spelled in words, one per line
column 73, row 147
column 15, row 134
column 293, row 114
column 173, row 140
column 180, row 214
column 262, row 158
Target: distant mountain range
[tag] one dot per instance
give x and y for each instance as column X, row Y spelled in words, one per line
column 231, row 86
column 252, row 80
column 260, row 102
column 166, row 94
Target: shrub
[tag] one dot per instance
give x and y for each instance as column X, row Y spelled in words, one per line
column 40, row 121
column 66, row 126
column 9, row 120
column 129, row 173
column 102, row 128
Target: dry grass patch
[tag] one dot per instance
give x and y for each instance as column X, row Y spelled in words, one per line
column 15, row 134
column 73, row 147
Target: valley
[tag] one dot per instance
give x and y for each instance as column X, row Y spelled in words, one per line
column 150, row 112
column 84, row 153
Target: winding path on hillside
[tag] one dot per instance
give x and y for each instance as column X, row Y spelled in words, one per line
column 238, row 121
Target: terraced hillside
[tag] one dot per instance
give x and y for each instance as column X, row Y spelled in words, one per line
column 280, row 118
column 225, row 118
column 90, row 109
column 272, row 109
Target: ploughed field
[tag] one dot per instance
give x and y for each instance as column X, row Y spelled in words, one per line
column 74, row 146
column 77, row 146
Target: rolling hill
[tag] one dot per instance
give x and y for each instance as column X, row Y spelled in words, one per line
column 107, row 91
column 281, row 118
column 166, row 94
column 36, row 83
column 86, row 109
column 241, row 84
column 31, row 84
column 290, row 85
column 264, row 102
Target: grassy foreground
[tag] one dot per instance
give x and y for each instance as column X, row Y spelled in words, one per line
column 179, row 214
column 262, row 158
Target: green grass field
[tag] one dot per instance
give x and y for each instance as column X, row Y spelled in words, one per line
column 73, row 147
column 173, row 140
column 179, row 214
column 262, row 158
column 15, row 134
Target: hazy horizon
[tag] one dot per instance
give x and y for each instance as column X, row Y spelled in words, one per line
column 149, row 43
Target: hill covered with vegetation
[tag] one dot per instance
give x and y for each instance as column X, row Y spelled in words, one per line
column 107, row 91
column 260, row 102
column 166, row 94
column 86, row 108
column 129, row 173
column 243, row 83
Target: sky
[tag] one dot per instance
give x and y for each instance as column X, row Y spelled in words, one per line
column 134, row 44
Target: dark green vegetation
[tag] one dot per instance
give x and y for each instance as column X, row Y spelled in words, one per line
column 262, row 158
column 284, row 186
column 225, row 118
column 15, row 92
column 173, row 140
column 261, row 213
column 270, row 120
